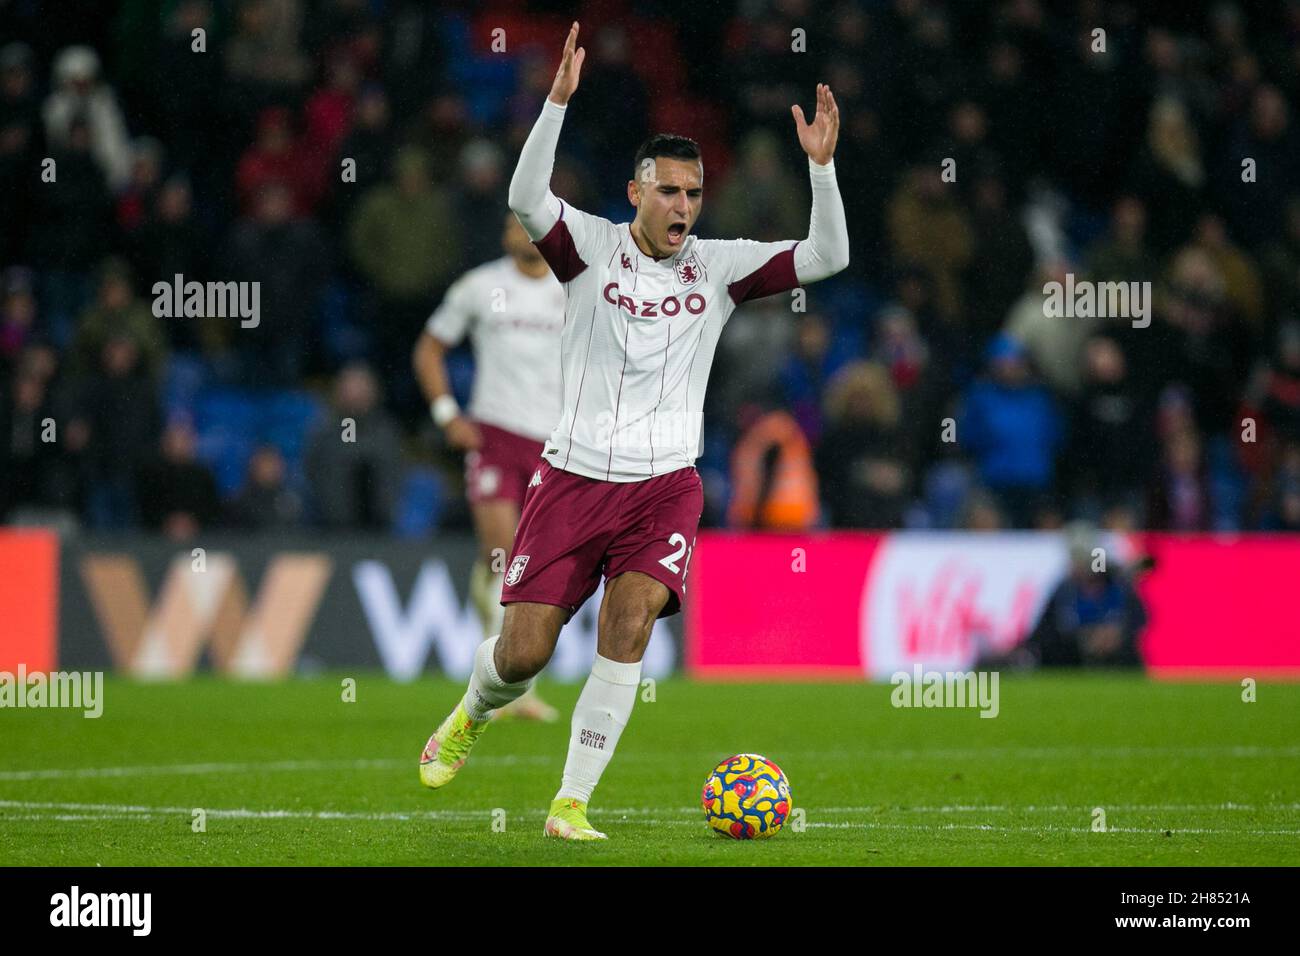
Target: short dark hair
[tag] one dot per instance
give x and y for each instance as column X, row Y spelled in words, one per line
column 665, row 144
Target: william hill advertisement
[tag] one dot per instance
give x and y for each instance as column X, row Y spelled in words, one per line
column 267, row 608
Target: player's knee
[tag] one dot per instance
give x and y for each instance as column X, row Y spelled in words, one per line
column 627, row 628
column 527, row 641
column 519, row 660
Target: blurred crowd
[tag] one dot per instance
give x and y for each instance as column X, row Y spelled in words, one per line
column 352, row 157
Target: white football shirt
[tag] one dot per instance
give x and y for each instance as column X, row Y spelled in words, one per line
column 639, row 338
column 513, row 322
column 640, row 333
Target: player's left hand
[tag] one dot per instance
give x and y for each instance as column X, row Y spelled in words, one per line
column 818, row 137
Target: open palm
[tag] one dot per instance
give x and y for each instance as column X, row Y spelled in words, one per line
column 566, row 77
column 818, row 137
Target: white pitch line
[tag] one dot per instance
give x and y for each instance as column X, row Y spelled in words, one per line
column 274, row 766
column 990, row 828
column 292, row 766
column 1061, row 808
column 72, row 817
column 101, row 811
column 646, row 811
column 241, row 813
column 277, row 766
column 1050, row 829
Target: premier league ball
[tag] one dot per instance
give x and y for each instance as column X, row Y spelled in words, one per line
column 746, row 797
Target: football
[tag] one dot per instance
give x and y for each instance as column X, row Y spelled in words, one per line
column 746, row 797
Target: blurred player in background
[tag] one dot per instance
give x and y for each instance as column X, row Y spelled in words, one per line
column 617, row 493
column 512, row 309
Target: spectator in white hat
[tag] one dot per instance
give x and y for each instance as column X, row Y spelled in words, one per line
column 79, row 93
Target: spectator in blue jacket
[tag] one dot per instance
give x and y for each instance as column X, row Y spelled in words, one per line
column 806, row 373
column 1010, row 423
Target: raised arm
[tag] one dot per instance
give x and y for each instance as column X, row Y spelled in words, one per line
column 826, row 250
column 530, row 198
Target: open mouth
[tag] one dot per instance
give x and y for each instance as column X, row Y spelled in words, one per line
column 676, row 231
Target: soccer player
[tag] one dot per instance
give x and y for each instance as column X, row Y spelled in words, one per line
column 617, row 492
column 512, row 308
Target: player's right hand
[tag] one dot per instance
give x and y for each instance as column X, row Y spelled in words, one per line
column 566, row 77
column 463, row 434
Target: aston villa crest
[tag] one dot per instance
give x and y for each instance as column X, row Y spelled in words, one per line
column 688, row 270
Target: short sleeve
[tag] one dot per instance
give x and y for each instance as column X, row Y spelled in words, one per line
column 758, row 269
column 454, row 315
column 574, row 242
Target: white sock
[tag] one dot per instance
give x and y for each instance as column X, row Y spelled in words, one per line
column 603, row 710
column 487, row 691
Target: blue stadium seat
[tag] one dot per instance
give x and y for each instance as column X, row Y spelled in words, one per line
column 288, row 418
column 345, row 339
column 947, row 486
column 847, row 303
column 231, row 424
column 184, row 378
column 488, row 82
column 420, row 503
column 226, row 420
column 457, row 41
column 460, row 372
column 1228, row 485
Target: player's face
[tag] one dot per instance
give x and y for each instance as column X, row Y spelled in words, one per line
column 667, row 194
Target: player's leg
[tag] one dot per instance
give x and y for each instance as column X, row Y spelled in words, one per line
column 504, row 668
column 495, row 522
column 646, row 566
column 554, row 567
column 495, row 493
column 632, row 603
column 496, row 479
column 494, row 526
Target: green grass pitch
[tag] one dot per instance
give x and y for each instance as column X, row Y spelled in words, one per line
column 287, row 773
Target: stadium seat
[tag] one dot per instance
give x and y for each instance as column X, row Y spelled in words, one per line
column 231, row 424
column 226, row 420
column 288, row 418
column 344, row 339
column 947, row 486
column 488, row 81
column 420, row 503
column 708, row 126
column 1228, row 485
column 460, row 371
column 184, row 377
